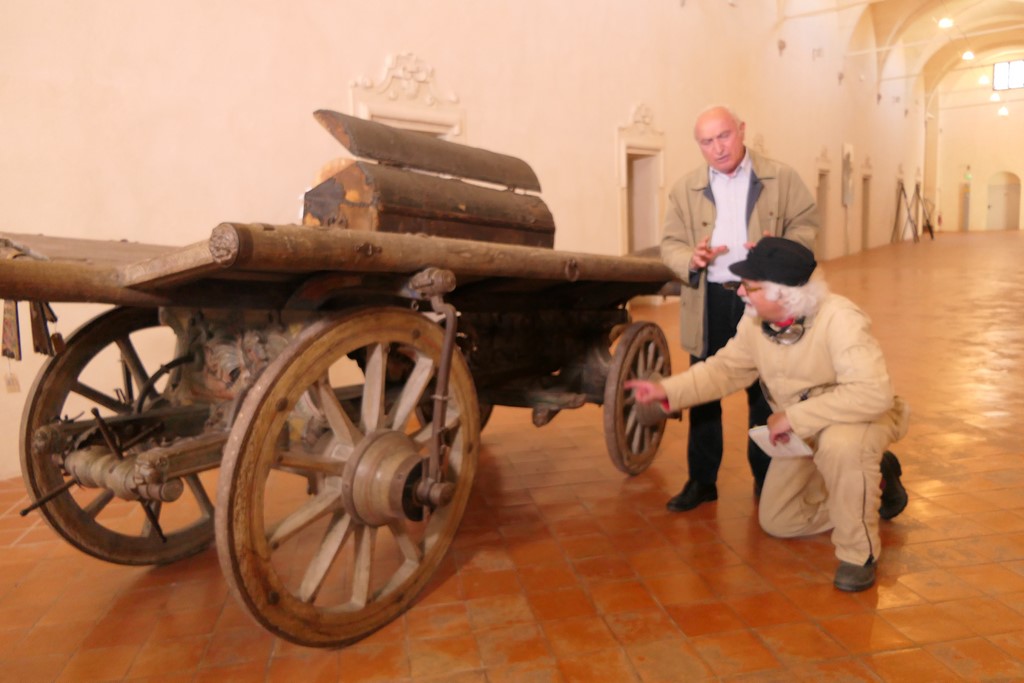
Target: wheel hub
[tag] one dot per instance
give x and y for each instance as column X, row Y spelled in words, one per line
column 378, row 481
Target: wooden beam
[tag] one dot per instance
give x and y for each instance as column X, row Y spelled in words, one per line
column 170, row 268
column 366, row 196
column 372, row 140
column 301, row 249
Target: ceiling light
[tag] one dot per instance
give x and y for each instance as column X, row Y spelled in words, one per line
column 945, row 22
column 1003, row 111
column 994, row 97
column 983, row 79
column 967, row 56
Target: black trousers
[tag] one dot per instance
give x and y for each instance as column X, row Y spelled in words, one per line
column 704, row 448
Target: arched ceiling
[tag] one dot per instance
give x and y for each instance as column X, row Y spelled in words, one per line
column 992, row 29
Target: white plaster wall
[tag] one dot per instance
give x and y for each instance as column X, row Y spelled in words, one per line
column 156, row 121
column 989, row 144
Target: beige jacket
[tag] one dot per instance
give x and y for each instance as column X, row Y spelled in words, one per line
column 778, row 204
column 835, row 373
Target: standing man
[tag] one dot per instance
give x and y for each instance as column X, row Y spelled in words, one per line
column 715, row 214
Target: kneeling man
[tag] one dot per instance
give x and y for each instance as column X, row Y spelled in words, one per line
column 826, row 380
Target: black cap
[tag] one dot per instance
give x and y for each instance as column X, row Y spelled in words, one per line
column 775, row 259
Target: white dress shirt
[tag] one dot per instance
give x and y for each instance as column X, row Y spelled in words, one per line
column 730, row 191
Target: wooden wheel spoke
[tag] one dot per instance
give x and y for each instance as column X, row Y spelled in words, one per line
column 96, row 396
column 637, row 435
column 96, row 505
column 199, row 493
column 130, row 357
column 655, row 359
column 148, row 530
column 334, row 538
column 337, row 419
column 372, row 408
column 362, row 565
column 634, row 432
column 412, row 392
column 309, row 512
column 659, row 365
column 640, row 364
column 650, row 352
column 410, row 550
column 453, row 423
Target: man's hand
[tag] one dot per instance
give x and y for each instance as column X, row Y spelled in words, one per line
column 645, row 391
column 750, row 245
column 779, row 428
column 704, row 254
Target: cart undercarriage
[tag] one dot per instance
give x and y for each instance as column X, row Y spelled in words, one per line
column 337, row 374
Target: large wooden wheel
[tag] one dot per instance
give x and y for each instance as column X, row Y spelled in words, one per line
column 319, row 531
column 106, row 365
column 641, row 352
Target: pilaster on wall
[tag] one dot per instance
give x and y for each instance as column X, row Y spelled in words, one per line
column 823, row 162
column 865, row 202
column 828, row 240
column 406, row 96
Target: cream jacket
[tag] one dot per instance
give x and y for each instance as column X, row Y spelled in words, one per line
column 835, row 373
column 778, row 204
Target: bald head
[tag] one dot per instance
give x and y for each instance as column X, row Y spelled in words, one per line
column 719, row 135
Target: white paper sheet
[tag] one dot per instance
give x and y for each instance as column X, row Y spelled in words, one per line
column 794, row 448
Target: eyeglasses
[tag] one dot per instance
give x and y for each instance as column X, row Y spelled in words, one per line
column 734, row 286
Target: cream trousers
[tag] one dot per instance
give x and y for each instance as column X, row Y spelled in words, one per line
column 837, row 488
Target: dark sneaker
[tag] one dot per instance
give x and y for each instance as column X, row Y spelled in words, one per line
column 854, row 577
column 894, row 496
column 692, row 495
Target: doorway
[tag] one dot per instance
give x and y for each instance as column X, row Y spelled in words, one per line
column 965, row 207
column 1003, row 212
column 642, row 184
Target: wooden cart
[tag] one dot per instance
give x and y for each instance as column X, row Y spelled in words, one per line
column 337, row 372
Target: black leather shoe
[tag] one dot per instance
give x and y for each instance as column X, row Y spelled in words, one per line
column 853, row 578
column 692, row 495
column 894, row 496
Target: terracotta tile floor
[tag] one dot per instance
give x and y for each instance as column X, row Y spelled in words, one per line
column 565, row 570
